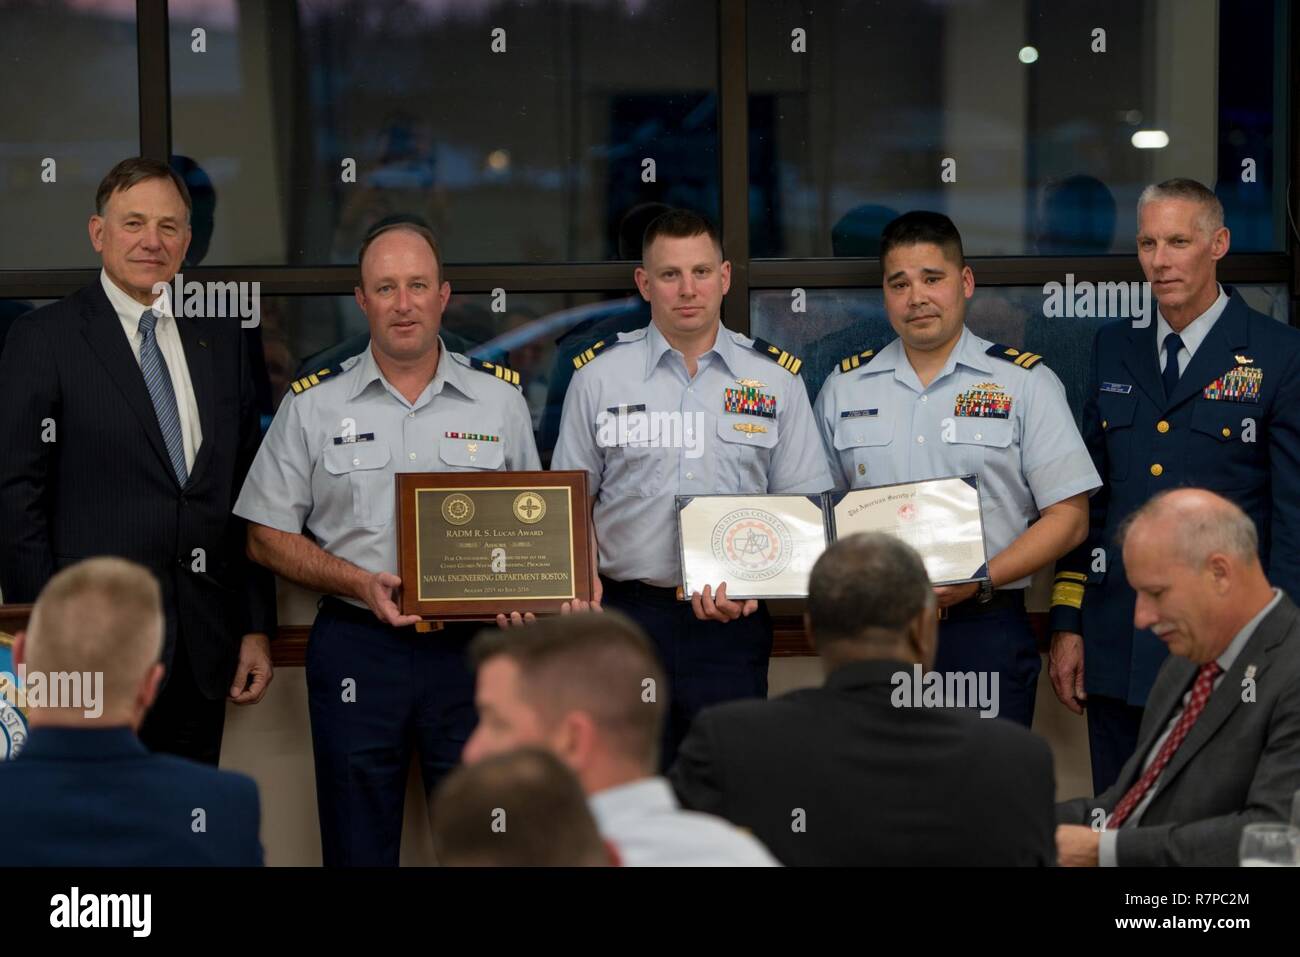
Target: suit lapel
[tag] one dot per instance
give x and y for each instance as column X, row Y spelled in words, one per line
column 103, row 332
column 1140, row 360
column 1227, row 697
column 198, row 356
column 1215, row 355
column 1165, row 697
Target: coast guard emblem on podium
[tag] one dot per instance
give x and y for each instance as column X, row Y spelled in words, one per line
column 13, row 723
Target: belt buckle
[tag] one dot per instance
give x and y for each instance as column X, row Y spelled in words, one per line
column 943, row 614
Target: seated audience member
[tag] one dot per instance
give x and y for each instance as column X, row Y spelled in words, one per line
column 854, row 772
column 589, row 689
column 84, row 790
column 520, row 808
column 1219, row 745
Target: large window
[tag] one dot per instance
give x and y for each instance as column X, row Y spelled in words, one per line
column 524, row 132
column 1033, row 123
column 536, row 137
column 68, row 112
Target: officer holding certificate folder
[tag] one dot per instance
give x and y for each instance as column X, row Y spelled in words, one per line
column 685, row 406
column 940, row 401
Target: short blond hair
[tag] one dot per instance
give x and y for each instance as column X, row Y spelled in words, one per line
column 100, row 615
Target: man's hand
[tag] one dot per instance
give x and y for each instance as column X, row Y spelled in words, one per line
column 1065, row 665
column 711, row 607
column 255, row 663
column 949, row 595
column 379, row 592
column 575, row 607
column 1076, row 845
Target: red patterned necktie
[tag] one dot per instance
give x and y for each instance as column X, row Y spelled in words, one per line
column 1200, row 694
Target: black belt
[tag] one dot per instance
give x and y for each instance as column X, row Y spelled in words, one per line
column 657, row 593
column 1005, row 599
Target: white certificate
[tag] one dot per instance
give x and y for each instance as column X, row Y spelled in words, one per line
column 940, row 518
column 762, row 546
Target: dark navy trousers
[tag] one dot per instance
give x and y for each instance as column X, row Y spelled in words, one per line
column 376, row 693
column 707, row 662
column 997, row 638
column 1112, row 737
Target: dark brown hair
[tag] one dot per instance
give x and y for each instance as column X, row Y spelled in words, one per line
column 600, row 663
column 518, row 809
column 681, row 224
column 138, row 169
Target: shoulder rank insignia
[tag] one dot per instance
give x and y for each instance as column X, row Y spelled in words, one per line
column 852, row 362
column 586, row 355
column 778, row 355
column 307, row 381
column 1026, row 360
column 509, row 376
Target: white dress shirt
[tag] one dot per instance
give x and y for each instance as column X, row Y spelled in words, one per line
column 1193, row 335
column 173, row 353
column 649, row 829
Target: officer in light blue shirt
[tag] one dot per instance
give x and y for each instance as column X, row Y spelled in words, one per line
column 940, row 401
column 326, row 468
column 685, row 406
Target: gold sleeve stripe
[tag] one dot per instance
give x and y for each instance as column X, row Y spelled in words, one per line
column 1072, row 577
column 1067, row 593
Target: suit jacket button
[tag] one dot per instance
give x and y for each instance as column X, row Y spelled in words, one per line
column 1157, row 470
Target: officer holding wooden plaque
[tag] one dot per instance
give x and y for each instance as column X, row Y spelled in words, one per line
column 327, row 468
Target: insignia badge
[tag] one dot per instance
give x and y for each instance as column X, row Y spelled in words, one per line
column 749, row 383
column 749, row 401
column 13, row 723
column 753, row 543
column 855, row 413
column 457, row 508
column 529, row 507
column 1250, row 671
column 472, row 436
column 749, row 427
column 473, row 446
column 1239, row 384
column 1243, row 361
column 1119, row 388
column 983, row 402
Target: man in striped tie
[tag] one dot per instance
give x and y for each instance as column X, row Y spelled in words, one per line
column 128, row 425
column 1219, row 745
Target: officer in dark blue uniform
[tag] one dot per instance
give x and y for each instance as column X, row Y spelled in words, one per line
column 1207, row 393
column 406, row 404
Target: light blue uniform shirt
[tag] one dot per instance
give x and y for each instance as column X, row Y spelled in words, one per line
column 881, row 426
column 328, row 461
column 645, row 431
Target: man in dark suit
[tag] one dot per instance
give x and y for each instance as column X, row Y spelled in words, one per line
column 1202, row 392
column 1219, row 746
column 853, row 772
column 127, row 430
column 84, row 791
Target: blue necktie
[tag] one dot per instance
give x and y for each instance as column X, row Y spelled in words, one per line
column 159, row 383
column 1172, row 344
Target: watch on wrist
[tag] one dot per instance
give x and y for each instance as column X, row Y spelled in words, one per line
column 985, row 594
